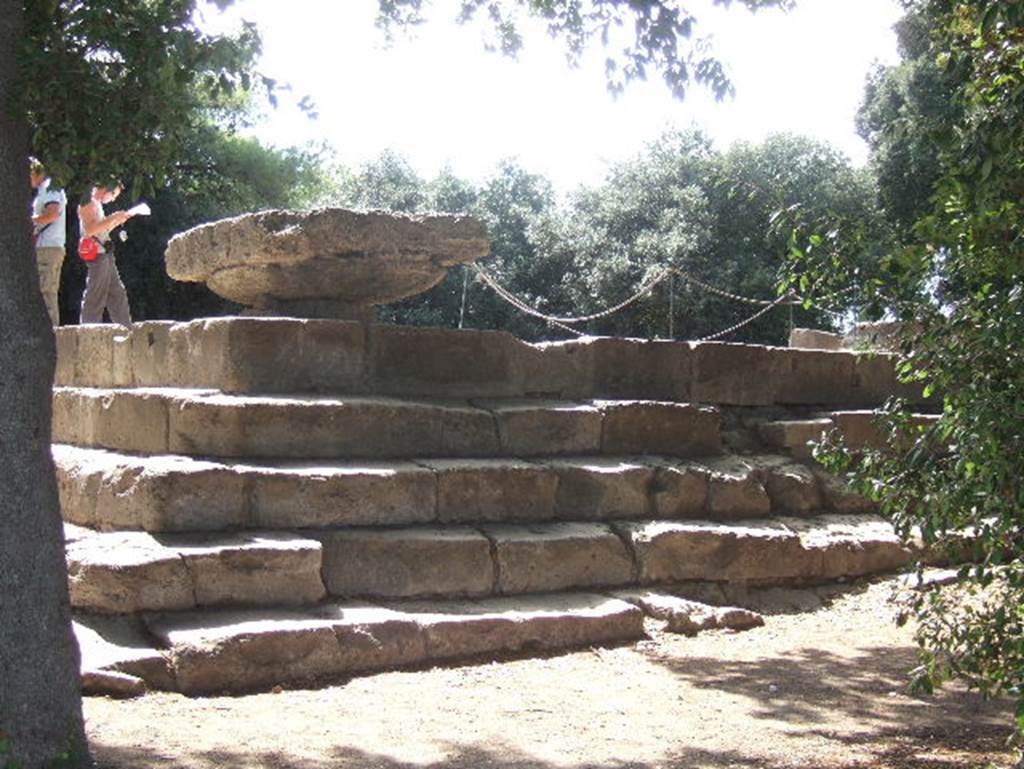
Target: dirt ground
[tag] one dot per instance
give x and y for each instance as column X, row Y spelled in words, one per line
column 822, row 688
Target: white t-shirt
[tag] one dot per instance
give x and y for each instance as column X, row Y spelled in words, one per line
column 54, row 234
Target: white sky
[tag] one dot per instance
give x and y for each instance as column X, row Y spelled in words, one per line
column 439, row 98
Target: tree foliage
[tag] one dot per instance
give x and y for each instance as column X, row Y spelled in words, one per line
column 116, row 90
column 905, row 108
column 708, row 216
column 661, row 38
column 679, row 203
column 960, row 284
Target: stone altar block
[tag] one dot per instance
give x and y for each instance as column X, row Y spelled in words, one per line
column 327, row 263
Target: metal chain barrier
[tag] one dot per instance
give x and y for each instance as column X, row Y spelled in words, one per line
column 766, row 305
column 735, row 297
column 519, row 304
column 724, row 332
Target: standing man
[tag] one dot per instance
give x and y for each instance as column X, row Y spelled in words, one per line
column 103, row 287
column 49, row 212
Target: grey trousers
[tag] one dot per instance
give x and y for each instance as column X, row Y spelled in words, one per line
column 104, row 291
column 48, row 261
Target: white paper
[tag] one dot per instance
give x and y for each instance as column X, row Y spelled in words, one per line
column 142, row 209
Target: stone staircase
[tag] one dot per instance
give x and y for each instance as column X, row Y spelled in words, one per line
column 252, row 502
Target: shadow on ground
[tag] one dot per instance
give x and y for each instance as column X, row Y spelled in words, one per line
column 808, row 686
column 985, row 749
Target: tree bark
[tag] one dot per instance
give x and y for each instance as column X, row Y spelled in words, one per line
column 40, row 692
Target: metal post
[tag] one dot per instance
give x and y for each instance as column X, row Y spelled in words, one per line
column 671, row 305
column 465, row 283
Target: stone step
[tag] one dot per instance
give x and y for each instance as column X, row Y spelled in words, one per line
column 126, row 572
column 283, row 355
column 239, row 650
column 108, row 490
column 858, row 428
column 213, row 424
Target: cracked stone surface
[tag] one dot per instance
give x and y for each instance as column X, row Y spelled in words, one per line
column 330, row 263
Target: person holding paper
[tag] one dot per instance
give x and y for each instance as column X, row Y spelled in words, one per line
column 103, row 287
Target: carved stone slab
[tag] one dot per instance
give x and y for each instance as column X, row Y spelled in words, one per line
column 332, row 262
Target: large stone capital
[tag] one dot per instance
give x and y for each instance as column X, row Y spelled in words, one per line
column 324, row 263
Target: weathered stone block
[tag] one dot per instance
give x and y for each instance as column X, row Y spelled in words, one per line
column 242, row 650
column 127, row 572
column 120, row 644
column 813, row 339
column 94, row 354
column 374, row 638
column 640, row 368
column 557, row 556
column 858, row 428
column 174, row 493
column 273, row 355
column 690, row 617
column 794, row 435
column 123, row 374
column 132, row 420
column 128, row 420
column 66, row 339
column 735, row 374
column 792, row 487
column 406, row 563
column 73, row 416
column 747, row 551
column 653, row 427
column 814, row 377
column 736, row 489
column 679, row 615
column 152, row 363
column 840, row 498
column 555, row 370
column 107, row 683
column 599, row 488
column 679, row 490
column 737, row 618
column 106, row 491
column 533, row 428
column 461, row 629
column 325, row 494
column 879, row 335
column 263, row 569
column 493, row 490
column 444, row 363
column 875, row 380
column 851, row 546
column 313, row 427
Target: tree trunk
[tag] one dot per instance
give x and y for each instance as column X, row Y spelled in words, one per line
column 40, row 693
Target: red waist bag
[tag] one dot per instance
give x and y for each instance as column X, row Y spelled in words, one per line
column 89, row 249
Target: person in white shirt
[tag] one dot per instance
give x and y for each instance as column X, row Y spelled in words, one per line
column 49, row 225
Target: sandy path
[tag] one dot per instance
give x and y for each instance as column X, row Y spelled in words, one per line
column 816, row 689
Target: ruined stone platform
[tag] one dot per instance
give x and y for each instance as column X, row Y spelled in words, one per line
column 253, row 502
